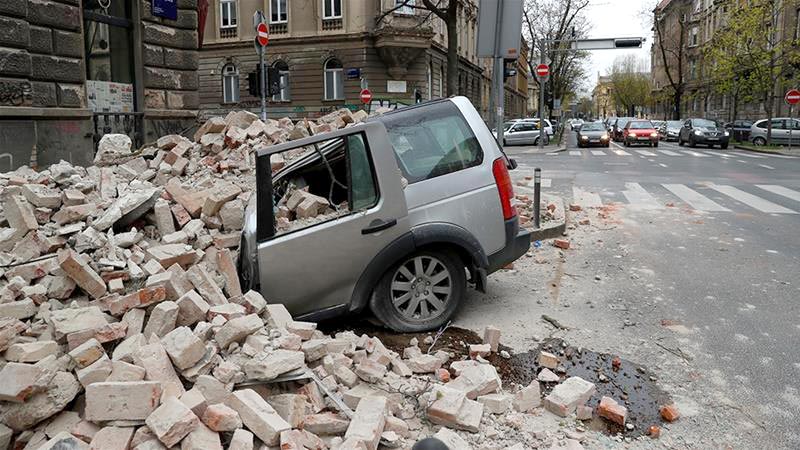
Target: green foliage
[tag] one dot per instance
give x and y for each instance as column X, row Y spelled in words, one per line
column 631, row 82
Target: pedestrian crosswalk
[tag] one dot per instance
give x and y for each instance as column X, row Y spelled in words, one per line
column 670, row 153
column 705, row 197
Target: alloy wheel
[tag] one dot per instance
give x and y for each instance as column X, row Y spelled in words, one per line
column 421, row 288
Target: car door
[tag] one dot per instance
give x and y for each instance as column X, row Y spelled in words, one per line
column 527, row 133
column 780, row 133
column 317, row 267
column 793, row 131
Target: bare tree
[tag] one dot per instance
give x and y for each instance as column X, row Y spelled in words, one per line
column 669, row 26
column 631, row 83
column 447, row 12
column 558, row 21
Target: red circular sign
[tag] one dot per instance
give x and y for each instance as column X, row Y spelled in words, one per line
column 366, row 96
column 262, row 34
column 793, row 97
column 542, row 70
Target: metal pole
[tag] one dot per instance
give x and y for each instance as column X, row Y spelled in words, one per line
column 263, row 83
column 542, row 131
column 537, row 196
column 497, row 76
column 791, row 125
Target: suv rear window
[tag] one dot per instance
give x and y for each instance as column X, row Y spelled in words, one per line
column 432, row 144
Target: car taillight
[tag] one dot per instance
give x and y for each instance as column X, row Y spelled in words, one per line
column 503, row 181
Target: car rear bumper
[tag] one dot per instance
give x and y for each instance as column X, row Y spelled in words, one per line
column 518, row 241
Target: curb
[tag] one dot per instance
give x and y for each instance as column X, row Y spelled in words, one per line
column 554, row 228
column 748, row 149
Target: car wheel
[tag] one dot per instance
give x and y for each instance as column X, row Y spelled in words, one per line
column 760, row 141
column 723, row 146
column 680, row 142
column 655, row 144
column 420, row 293
column 505, row 143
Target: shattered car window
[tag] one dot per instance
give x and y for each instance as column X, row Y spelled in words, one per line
column 438, row 143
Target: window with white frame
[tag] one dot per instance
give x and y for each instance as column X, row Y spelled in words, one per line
column 693, row 36
column 278, row 11
column 331, row 9
column 285, row 93
column 227, row 14
column 334, row 80
column 230, row 84
column 404, row 6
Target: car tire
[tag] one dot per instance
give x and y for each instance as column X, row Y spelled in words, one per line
column 505, row 144
column 724, row 146
column 385, row 294
column 680, row 142
column 759, row 141
column 655, row 145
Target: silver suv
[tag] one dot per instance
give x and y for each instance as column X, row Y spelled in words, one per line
column 417, row 204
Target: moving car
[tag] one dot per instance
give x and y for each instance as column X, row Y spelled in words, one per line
column 593, row 133
column 418, row 206
column 521, row 132
column 618, row 126
column 780, row 131
column 703, row 131
column 575, row 124
column 640, row 132
column 672, row 128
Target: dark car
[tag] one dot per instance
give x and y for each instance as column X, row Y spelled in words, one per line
column 739, row 129
column 592, row 133
column 618, row 127
column 640, row 132
column 671, row 130
column 703, row 131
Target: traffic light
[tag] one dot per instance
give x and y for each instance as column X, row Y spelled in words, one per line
column 628, row 43
column 273, row 81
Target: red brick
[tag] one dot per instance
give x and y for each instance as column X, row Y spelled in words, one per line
column 611, row 410
column 561, row 243
column 670, row 413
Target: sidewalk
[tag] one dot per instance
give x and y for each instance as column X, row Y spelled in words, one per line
column 534, row 149
column 795, row 151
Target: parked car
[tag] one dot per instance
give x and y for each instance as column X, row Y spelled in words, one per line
column 672, row 128
column 703, row 131
column 575, row 124
column 548, row 126
column 521, row 132
column 618, row 126
column 640, row 132
column 424, row 206
column 609, row 122
column 780, row 131
column 593, row 133
column 739, row 129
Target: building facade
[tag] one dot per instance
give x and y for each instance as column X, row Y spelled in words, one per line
column 328, row 50
column 688, row 27
column 603, row 97
column 73, row 70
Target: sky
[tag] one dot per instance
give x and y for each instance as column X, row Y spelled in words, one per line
column 616, row 18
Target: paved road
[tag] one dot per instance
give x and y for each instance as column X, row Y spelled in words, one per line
column 720, row 229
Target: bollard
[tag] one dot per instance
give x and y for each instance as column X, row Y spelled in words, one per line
column 537, row 196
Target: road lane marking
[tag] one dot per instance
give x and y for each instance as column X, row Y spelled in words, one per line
column 751, row 200
column 574, row 153
column 670, row 153
column 748, row 156
column 694, row 199
column 639, row 198
column 724, row 155
column 546, row 182
column 782, row 156
column 645, row 153
column 585, row 198
column 552, row 154
column 697, row 154
column 766, row 166
column 598, row 153
column 621, row 152
column 663, row 165
column 780, row 190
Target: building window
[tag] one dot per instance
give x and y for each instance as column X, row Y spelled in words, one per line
column 693, row 36
column 227, row 13
column 430, row 81
column 334, row 80
column 406, row 8
column 278, row 11
column 331, row 9
column 285, row 93
column 441, row 82
column 230, row 84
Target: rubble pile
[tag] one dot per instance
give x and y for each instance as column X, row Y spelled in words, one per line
column 123, row 324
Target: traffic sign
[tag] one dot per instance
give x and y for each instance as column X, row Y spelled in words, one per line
column 792, row 97
column 366, row 96
column 542, row 71
column 262, row 34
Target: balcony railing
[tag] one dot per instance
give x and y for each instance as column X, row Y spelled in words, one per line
column 228, row 32
column 278, row 28
column 331, row 24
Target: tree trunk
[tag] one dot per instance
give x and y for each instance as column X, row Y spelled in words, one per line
column 452, row 50
column 677, row 98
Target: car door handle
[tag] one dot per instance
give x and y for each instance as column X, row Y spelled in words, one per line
column 379, row 225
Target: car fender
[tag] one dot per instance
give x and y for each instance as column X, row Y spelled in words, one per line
column 419, row 236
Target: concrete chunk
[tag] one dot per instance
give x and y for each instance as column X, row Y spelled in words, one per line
column 19, row 382
column 237, row 329
column 528, row 398
column 112, row 438
column 567, row 396
column 220, row 417
column 191, row 308
column 162, row 319
column 241, row 440
column 477, row 380
column 72, row 320
column 258, row 416
column 83, row 275
column 202, row 438
column 270, row 365
column 183, row 347
column 117, row 400
column 31, row 351
column 64, row 441
column 368, row 421
column 153, row 358
column 205, row 286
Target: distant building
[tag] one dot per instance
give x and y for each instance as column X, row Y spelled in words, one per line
column 603, row 97
column 327, row 50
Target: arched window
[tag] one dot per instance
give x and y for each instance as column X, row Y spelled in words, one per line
column 230, row 84
column 285, row 94
column 334, row 80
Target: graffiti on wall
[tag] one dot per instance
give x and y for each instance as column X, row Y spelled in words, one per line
column 15, row 93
